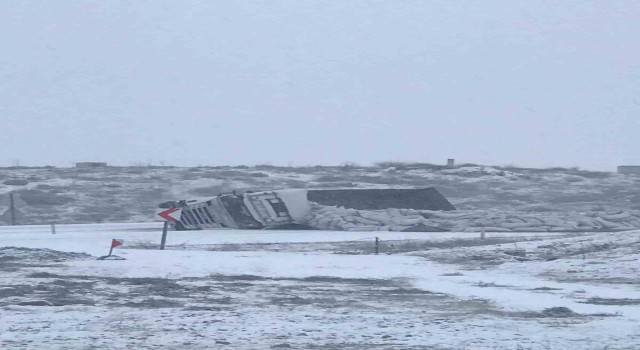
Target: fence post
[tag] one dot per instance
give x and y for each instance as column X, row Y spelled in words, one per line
column 12, row 209
column 377, row 245
column 53, row 229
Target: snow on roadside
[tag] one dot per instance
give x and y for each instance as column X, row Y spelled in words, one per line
column 425, row 274
column 93, row 238
column 510, row 287
column 513, row 290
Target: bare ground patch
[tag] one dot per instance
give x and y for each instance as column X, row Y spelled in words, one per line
column 228, row 292
column 611, row 301
column 553, row 313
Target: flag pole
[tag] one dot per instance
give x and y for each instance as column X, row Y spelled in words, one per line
column 110, row 256
column 111, row 250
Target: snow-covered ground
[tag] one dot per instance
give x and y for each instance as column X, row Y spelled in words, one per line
column 131, row 194
column 317, row 290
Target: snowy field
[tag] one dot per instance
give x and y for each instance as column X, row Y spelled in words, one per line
column 317, row 290
column 131, row 194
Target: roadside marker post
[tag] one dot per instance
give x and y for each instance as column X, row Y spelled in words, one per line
column 168, row 215
column 163, row 241
column 12, row 208
column 53, row 229
column 12, row 215
column 377, row 245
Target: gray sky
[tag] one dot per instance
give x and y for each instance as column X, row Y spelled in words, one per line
column 532, row 83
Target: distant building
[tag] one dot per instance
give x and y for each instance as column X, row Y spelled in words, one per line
column 91, row 165
column 629, row 169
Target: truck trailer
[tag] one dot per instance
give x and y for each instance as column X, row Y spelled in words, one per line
column 283, row 209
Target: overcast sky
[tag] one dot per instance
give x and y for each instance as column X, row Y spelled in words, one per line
column 531, row 83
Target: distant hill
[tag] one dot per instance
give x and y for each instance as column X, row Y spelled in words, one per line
column 130, row 194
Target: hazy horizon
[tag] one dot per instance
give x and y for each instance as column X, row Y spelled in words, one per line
column 532, row 84
column 19, row 165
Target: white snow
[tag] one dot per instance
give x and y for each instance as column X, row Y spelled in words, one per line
column 457, row 323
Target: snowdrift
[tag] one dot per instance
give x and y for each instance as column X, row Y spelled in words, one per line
column 324, row 217
column 382, row 210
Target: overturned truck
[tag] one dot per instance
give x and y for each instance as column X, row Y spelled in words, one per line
column 302, row 208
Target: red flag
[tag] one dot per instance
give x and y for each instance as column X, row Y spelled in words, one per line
column 116, row 243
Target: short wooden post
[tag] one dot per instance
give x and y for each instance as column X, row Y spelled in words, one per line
column 12, row 209
column 163, row 241
column 482, row 233
column 53, row 229
column 377, row 245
